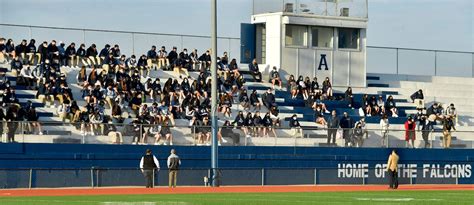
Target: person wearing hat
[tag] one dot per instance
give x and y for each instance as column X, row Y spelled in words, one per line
column 149, row 166
column 410, row 135
column 392, row 169
column 448, row 125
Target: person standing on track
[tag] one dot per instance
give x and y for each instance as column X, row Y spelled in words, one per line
column 392, row 169
column 173, row 165
column 149, row 165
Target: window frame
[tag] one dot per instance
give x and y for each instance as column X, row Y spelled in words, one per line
column 331, row 47
column 305, row 37
column 349, row 49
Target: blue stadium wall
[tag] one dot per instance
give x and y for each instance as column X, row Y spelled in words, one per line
column 333, row 165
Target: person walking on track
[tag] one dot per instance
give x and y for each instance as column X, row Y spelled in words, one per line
column 149, row 165
column 392, row 169
column 173, row 165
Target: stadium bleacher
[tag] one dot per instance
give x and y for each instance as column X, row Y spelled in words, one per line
column 437, row 89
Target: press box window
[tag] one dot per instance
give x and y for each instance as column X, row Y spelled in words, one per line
column 348, row 38
column 321, row 37
column 296, row 35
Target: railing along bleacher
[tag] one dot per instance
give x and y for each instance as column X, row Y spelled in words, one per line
column 153, row 134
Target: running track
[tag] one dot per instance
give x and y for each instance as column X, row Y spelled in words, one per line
column 228, row 189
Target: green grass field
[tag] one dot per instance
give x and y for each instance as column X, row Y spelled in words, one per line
column 343, row 198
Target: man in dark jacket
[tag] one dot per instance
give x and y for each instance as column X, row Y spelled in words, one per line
column 333, row 125
column 268, row 99
column 43, row 51
column 172, row 57
column 346, row 124
column 173, row 163
column 31, row 52
column 92, row 53
column 105, row 51
column 254, row 71
column 21, row 50
column 417, row 98
column 149, row 165
column 53, row 51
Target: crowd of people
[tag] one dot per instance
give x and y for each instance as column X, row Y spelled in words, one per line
column 112, row 81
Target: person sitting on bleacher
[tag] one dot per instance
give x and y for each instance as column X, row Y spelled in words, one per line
column 3, row 51
column 74, row 112
column 4, row 82
column 184, row 61
column 234, row 68
column 73, row 59
column 26, row 78
column 204, row 135
column 275, row 77
column 225, row 104
column 152, row 57
column 205, row 60
column 268, row 99
column 195, row 63
column 53, row 51
column 105, row 51
column 16, row 65
column 257, row 125
column 63, row 111
column 81, row 55
column 391, row 107
column 349, row 98
column 32, row 117
column 244, row 100
column 84, row 119
column 374, row 107
column 10, row 48
column 319, row 116
column 91, row 54
column 254, row 101
column 418, row 99
column 20, row 50
column 434, row 112
column 327, row 89
column 451, row 112
column 173, row 56
column 302, row 87
column 254, row 71
column 62, row 54
column 295, row 127
column 267, row 123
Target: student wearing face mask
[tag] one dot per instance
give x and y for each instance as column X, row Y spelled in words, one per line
column 296, row 127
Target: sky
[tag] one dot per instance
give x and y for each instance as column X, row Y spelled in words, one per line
column 423, row 24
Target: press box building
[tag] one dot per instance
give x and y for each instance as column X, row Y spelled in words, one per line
column 310, row 38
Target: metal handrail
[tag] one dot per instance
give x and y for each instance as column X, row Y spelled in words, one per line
column 202, row 36
column 113, row 31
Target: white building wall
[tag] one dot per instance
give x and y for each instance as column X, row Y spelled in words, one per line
column 347, row 67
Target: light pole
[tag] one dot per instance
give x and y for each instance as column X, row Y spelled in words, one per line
column 214, row 151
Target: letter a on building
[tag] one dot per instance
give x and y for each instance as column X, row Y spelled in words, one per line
column 322, row 62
